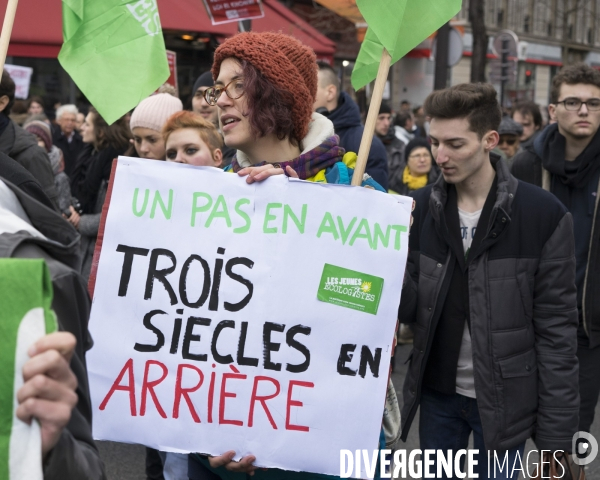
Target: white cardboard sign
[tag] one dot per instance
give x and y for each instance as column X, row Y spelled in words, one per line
column 22, row 78
column 258, row 318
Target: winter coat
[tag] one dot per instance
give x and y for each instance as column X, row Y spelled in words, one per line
column 527, row 166
column 19, row 176
column 347, row 124
column 395, row 155
column 22, row 147
column 521, row 308
column 93, row 167
column 71, row 149
column 75, row 456
column 61, row 181
column 88, row 227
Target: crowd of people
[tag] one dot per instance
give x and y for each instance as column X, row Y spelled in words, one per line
column 501, row 296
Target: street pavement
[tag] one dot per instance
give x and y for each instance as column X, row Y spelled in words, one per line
column 126, row 462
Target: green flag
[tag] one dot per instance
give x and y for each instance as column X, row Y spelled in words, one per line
column 25, row 317
column 114, row 51
column 399, row 26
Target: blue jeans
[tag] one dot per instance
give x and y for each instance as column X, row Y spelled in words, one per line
column 446, row 421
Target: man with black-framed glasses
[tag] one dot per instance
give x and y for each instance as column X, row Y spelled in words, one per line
column 565, row 159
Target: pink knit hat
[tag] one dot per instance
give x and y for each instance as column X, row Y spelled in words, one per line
column 153, row 112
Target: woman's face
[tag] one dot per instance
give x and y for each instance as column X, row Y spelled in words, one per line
column 186, row 146
column 233, row 119
column 35, row 108
column 148, row 143
column 419, row 162
column 87, row 129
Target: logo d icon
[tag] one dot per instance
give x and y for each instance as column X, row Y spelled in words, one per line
column 585, row 448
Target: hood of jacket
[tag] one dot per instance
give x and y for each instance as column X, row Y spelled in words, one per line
column 61, row 239
column 346, row 114
column 14, row 140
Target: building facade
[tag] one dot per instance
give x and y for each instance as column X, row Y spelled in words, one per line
column 551, row 33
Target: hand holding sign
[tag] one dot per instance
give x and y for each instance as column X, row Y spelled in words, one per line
column 48, row 393
column 258, row 174
column 226, row 460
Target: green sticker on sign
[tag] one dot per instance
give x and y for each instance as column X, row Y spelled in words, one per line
column 350, row 289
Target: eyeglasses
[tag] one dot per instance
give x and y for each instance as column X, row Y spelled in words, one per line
column 574, row 104
column 508, row 141
column 234, row 90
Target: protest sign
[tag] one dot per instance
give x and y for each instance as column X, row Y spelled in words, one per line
column 258, row 318
column 22, row 78
column 224, row 11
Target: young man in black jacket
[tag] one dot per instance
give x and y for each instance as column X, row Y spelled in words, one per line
column 345, row 116
column 565, row 160
column 491, row 295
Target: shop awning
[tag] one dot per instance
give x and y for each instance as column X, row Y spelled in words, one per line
column 349, row 10
column 279, row 18
column 37, row 31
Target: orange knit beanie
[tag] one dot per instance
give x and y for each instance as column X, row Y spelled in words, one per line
column 284, row 61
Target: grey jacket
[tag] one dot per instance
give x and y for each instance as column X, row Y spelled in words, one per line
column 523, row 311
column 22, row 147
column 89, row 225
column 75, row 457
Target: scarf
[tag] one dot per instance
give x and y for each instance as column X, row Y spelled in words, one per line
column 413, row 183
column 551, row 145
column 310, row 163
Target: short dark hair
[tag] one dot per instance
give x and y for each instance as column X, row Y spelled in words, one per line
column 402, row 118
column 269, row 107
column 7, row 87
column 528, row 108
column 330, row 74
column 572, row 75
column 477, row 102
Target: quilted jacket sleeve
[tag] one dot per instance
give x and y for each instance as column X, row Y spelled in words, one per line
column 555, row 323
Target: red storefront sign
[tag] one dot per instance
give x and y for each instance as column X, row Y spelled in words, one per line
column 172, row 80
column 223, row 11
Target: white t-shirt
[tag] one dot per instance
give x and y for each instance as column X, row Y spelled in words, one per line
column 465, row 383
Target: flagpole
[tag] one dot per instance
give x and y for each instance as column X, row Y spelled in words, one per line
column 7, row 26
column 367, row 138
